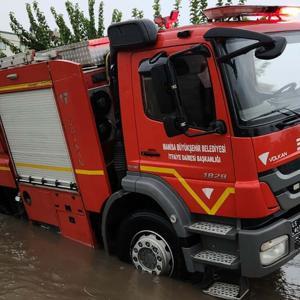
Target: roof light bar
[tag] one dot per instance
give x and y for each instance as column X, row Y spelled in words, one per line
column 238, row 11
column 289, row 11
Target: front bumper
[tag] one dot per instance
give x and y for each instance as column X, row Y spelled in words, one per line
column 250, row 242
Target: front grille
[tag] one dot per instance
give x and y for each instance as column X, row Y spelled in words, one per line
column 284, row 181
column 290, row 167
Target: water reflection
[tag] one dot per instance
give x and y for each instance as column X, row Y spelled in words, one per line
column 36, row 263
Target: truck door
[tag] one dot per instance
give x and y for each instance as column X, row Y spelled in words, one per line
column 200, row 169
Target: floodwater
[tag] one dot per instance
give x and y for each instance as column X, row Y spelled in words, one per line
column 36, row 263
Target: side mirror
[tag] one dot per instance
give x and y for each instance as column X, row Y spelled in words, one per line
column 160, row 74
column 173, row 126
column 163, row 82
column 267, row 47
column 276, row 50
column 219, row 127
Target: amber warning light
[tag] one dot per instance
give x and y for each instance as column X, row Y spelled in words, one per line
column 237, row 12
column 289, row 11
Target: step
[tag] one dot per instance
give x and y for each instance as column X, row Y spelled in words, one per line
column 214, row 229
column 223, row 260
column 226, row 291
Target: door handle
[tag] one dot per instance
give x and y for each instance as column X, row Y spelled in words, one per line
column 150, row 153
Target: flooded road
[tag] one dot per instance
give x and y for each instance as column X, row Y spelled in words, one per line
column 36, row 263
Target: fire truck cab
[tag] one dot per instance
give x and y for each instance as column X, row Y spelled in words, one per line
column 178, row 150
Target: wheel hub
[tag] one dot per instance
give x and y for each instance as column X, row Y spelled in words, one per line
column 152, row 254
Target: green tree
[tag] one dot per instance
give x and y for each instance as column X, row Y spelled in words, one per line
column 13, row 48
column 101, row 27
column 229, row 2
column 76, row 17
column 34, row 27
column 43, row 33
column 26, row 38
column 65, row 34
column 137, row 14
column 220, row 3
column 242, row 2
column 177, row 6
column 39, row 36
column 156, row 9
column 92, row 32
column 116, row 16
column 202, row 7
column 194, row 12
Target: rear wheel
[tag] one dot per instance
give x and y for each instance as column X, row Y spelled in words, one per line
column 149, row 242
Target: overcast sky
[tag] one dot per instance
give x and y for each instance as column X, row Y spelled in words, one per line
column 18, row 7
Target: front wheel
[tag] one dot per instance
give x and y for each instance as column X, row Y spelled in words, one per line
column 149, row 242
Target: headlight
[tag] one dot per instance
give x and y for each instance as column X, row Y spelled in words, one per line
column 274, row 250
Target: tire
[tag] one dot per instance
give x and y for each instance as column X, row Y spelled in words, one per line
column 149, row 242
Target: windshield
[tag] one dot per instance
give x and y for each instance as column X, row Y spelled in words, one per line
column 265, row 90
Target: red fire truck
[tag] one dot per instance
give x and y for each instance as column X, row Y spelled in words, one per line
column 178, row 150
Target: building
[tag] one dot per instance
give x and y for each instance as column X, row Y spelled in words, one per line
column 12, row 38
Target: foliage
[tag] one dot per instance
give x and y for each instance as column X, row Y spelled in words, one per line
column 41, row 37
column 65, row 34
column 137, row 14
column 92, row 32
column 202, row 7
column 77, row 21
column 194, row 11
column 230, row 2
column 101, row 27
column 26, row 38
column 116, row 16
column 12, row 47
column 156, row 9
column 44, row 33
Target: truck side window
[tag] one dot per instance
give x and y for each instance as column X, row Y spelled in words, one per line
column 195, row 89
column 152, row 107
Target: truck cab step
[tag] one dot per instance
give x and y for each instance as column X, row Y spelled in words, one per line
column 213, row 229
column 226, row 291
column 223, row 260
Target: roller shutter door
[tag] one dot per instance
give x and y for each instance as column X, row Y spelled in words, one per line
column 35, row 136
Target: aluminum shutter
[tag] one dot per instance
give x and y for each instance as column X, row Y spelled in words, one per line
column 35, row 136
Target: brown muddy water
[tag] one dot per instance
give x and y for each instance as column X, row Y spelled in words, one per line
column 36, row 263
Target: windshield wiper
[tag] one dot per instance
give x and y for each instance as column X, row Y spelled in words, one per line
column 289, row 121
column 279, row 110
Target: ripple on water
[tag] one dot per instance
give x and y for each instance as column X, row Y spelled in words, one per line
column 38, row 264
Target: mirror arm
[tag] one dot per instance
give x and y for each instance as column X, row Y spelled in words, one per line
column 200, row 134
column 242, row 51
column 219, row 128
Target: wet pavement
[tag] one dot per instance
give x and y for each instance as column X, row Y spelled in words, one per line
column 36, row 263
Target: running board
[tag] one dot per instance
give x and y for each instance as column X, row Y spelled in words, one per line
column 213, row 229
column 219, row 259
column 227, row 291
